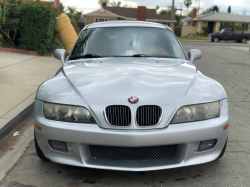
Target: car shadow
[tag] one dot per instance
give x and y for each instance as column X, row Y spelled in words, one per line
column 178, row 176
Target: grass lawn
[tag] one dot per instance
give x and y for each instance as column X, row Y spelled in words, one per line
column 192, row 38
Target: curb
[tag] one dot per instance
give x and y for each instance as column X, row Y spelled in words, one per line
column 194, row 41
column 13, row 119
column 21, row 51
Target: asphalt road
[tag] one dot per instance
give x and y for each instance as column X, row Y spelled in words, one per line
column 229, row 64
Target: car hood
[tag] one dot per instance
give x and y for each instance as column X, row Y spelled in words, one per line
column 111, row 81
column 214, row 33
column 98, row 83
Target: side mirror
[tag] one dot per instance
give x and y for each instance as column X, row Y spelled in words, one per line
column 194, row 54
column 60, row 54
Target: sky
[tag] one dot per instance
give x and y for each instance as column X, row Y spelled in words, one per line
column 237, row 6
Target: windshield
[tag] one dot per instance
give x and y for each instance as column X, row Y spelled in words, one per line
column 127, row 41
column 222, row 31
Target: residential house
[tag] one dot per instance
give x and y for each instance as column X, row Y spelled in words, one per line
column 186, row 21
column 141, row 13
column 215, row 20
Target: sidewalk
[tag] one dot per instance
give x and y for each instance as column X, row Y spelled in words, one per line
column 20, row 76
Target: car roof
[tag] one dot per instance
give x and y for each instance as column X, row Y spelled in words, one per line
column 127, row 24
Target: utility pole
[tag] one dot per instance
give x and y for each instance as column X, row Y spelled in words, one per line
column 198, row 7
column 181, row 9
column 172, row 24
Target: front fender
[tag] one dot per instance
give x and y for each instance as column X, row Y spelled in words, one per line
column 203, row 90
column 59, row 90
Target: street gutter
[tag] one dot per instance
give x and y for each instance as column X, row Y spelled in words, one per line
column 12, row 149
column 17, row 121
column 16, row 116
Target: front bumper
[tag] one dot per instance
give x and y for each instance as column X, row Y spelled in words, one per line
column 79, row 136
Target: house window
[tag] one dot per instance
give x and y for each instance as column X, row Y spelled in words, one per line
column 245, row 25
column 226, row 23
column 197, row 23
column 101, row 19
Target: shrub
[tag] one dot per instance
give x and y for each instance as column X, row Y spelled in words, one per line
column 37, row 25
column 10, row 29
column 0, row 40
column 2, row 12
column 2, row 18
column 74, row 24
column 205, row 30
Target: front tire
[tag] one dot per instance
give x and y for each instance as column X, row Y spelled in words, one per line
column 216, row 39
column 39, row 151
column 223, row 151
column 243, row 40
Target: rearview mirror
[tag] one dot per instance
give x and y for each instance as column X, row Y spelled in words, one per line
column 60, row 54
column 194, row 54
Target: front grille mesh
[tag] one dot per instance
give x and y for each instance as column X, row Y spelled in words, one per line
column 118, row 115
column 148, row 115
column 133, row 153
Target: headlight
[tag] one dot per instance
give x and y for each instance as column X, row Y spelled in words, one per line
column 67, row 113
column 197, row 112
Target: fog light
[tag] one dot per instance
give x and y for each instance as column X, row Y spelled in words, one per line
column 57, row 145
column 206, row 145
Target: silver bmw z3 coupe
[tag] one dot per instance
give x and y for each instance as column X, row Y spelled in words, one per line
column 128, row 98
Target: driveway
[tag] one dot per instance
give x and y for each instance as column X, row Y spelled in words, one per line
column 227, row 63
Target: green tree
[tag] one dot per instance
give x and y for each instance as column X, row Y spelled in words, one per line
column 229, row 9
column 209, row 10
column 73, row 13
column 214, row 8
column 178, row 20
column 103, row 3
column 190, row 14
column 2, row 13
column 116, row 4
column 169, row 11
column 187, row 3
column 74, row 16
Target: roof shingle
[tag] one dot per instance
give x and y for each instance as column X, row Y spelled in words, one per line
column 132, row 13
column 223, row 16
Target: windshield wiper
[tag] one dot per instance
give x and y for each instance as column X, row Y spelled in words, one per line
column 143, row 55
column 140, row 55
column 85, row 56
column 135, row 55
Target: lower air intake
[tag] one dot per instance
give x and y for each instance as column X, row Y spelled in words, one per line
column 133, row 153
